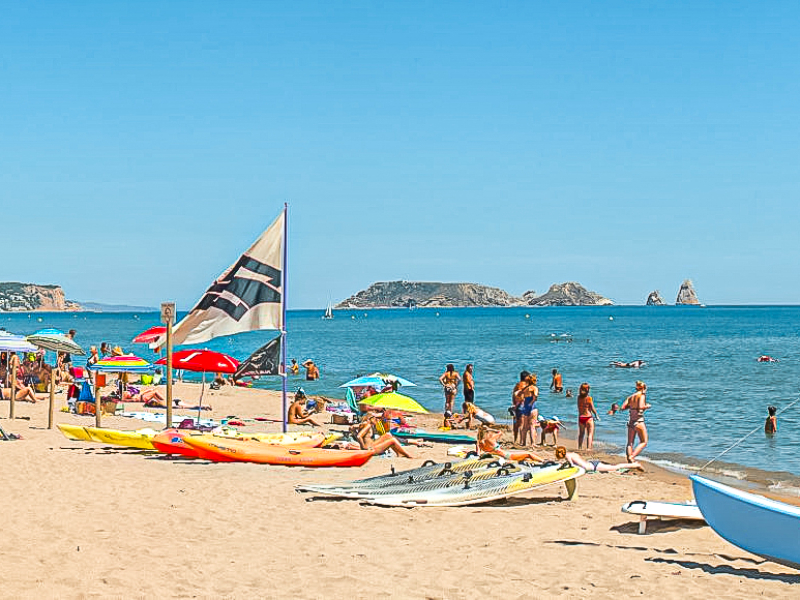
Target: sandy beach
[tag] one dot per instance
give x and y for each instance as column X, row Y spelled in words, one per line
column 82, row 520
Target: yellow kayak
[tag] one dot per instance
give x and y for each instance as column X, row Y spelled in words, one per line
column 141, row 438
column 76, row 433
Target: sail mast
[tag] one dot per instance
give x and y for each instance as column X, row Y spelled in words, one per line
column 284, row 289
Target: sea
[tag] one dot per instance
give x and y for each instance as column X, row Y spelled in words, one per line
column 709, row 394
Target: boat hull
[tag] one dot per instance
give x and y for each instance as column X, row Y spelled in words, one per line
column 764, row 527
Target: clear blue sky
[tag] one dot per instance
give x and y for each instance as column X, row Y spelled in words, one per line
column 626, row 146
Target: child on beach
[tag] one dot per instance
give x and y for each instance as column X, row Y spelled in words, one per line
column 771, row 424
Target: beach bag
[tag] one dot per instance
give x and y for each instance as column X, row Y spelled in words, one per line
column 86, row 392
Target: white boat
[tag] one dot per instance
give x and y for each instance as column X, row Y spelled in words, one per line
column 328, row 312
column 767, row 528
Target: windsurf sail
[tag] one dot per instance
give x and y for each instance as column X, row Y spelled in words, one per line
column 246, row 297
column 264, row 361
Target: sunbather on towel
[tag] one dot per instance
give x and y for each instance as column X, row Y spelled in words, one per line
column 133, row 395
column 156, row 401
column 594, row 466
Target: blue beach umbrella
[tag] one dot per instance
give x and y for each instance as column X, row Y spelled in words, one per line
column 377, row 380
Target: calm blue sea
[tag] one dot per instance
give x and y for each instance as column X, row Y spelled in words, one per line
column 705, row 385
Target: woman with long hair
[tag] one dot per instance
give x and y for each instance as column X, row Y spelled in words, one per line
column 587, row 415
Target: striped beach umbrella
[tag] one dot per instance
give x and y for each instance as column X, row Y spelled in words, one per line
column 127, row 363
column 55, row 341
column 14, row 343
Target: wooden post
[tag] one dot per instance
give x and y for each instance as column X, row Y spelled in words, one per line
column 13, row 387
column 98, row 406
column 51, row 412
column 169, row 374
column 96, row 400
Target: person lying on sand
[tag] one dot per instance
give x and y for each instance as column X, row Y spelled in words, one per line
column 489, row 441
column 143, row 396
column 594, row 466
column 298, row 415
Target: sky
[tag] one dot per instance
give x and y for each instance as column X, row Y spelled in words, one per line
column 625, row 146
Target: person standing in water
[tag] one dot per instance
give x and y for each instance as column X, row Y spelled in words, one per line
column 557, row 383
column 449, row 380
column 771, row 424
column 636, row 404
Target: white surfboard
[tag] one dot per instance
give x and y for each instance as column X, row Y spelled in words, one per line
column 649, row 510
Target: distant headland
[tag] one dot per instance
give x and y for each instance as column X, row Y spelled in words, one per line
column 29, row 297
column 411, row 294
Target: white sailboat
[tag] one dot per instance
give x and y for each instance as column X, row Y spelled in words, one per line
column 328, row 312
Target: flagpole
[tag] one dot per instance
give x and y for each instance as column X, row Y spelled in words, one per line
column 284, row 289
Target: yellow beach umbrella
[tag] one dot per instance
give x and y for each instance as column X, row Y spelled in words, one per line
column 394, row 401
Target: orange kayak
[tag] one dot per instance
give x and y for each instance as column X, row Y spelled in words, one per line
column 172, row 441
column 258, row 452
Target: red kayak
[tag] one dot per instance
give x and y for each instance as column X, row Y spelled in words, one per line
column 172, row 441
column 258, row 452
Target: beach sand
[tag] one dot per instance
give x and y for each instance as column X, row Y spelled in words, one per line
column 81, row 520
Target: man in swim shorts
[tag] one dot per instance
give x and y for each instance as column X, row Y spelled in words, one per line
column 469, row 388
column 556, row 384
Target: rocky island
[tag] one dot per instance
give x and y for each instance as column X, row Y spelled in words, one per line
column 655, row 299
column 686, row 294
column 23, row 297
column 408, row 294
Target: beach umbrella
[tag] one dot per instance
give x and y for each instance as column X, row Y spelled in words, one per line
column 55, row 341
column 395, row 401
column 15, row 343
column 202, row 361
column 377, row 380
column 127, row 363
column 151, row 335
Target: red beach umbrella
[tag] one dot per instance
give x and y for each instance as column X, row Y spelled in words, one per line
column 206, row 361
column 151, row 335
column 202, row 361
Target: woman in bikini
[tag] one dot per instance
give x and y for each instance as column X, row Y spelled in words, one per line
column 449, row 380
column 594, row 466
column 528, row 395
column 636, row 404
column 587, row 415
